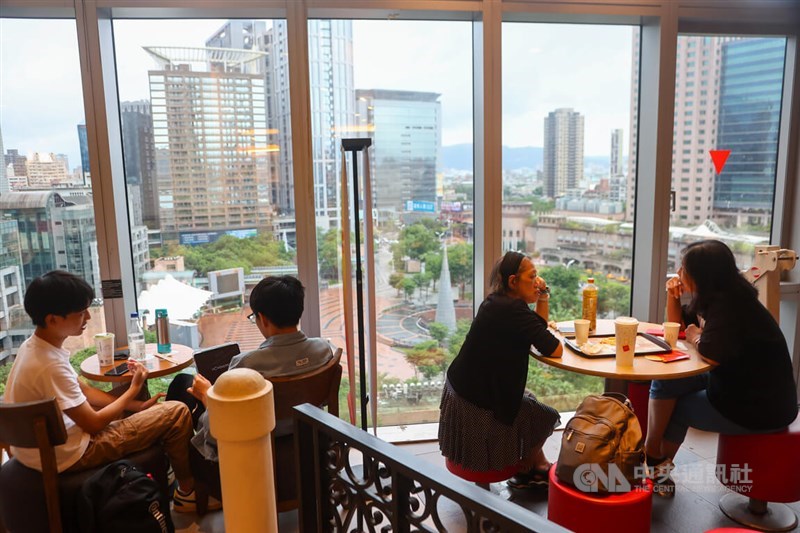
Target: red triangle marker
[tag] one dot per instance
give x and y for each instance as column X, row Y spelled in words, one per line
column 719, row 157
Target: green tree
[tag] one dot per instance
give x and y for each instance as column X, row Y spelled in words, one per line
column 564, row 283
column 422, row 281
column 408, row 287
column 230, row 252
column 439, row 332
column 428, row 358
column 459, row 258
column 396, row 281
column 329, row 244
column 457, row 337
column 417, row 240
column 433, row 265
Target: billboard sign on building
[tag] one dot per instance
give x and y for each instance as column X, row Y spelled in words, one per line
column 207, row 237
column 420, row 206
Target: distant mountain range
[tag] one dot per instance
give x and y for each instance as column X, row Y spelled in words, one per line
column 459, row 157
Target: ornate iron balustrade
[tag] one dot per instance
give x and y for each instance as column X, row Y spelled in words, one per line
column 392, row 490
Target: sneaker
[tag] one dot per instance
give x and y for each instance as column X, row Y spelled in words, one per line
column 663, row 484
column 187, row 503
column 533, row 478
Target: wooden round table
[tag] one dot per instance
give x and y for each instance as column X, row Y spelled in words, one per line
column 179, row 358
column 643, row 369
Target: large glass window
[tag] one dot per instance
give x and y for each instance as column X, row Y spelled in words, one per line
column 46, row 213
column 205, row 128
column 729, row 101
column 408, row 87
column 569, row 98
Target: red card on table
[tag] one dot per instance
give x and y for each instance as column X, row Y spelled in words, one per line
column 659, row 332
column 676, row 355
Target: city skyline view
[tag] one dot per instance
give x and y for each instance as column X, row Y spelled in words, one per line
column 523, row 112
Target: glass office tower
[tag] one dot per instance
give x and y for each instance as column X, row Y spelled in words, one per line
column 749, row 119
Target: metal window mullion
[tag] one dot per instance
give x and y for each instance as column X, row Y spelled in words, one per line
column 659, row 37
column 303, row 168
column 98, row 76
column 786, row 206
column 487, row 124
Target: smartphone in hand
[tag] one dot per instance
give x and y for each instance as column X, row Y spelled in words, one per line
column 118, row 370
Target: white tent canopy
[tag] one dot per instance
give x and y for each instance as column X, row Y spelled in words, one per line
column 180, row 300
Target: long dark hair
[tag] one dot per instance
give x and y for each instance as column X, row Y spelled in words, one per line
column 712, row 267
column 504, row 269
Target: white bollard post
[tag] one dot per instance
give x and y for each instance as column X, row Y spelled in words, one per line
column 241, row 413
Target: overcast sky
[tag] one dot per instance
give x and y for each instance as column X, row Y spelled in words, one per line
column 545, row 66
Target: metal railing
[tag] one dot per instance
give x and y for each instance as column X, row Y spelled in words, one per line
column 391, row 489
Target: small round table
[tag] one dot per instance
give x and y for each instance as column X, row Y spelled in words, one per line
column 179, row 358
column 643, row 369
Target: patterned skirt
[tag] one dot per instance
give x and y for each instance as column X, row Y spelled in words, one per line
column 473, row 438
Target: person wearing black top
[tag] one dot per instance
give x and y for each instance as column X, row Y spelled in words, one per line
column 750, row 388
column 488, row 421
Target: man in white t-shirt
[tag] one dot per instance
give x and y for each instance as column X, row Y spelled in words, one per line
column 58, row 305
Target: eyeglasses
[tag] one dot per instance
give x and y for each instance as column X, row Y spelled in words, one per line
column 252, row 318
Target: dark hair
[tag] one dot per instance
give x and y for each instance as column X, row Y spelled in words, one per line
column 280, row 299
column 713, row 270
column 56, row 293
column 504, row 269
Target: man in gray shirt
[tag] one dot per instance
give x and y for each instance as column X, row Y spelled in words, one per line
column 277, row 305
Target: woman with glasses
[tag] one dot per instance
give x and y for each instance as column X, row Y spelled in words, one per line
column 488, row 421
column 750, row 388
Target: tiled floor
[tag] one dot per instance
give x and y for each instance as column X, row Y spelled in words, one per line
column 693, row 510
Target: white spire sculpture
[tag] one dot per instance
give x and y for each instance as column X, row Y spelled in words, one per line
column 445, row 310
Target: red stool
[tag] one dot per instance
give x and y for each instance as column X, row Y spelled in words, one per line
column 627, row 512
column 481, row 478
column 761, row 469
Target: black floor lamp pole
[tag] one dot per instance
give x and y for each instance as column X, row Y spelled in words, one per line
column 355, row 146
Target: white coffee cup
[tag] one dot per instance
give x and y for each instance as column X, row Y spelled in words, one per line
column 625, row 329
column 581, row 331
column 671, row 331
column 104, row 342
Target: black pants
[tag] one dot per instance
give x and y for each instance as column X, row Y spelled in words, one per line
column 204, row 470
column 177, row 391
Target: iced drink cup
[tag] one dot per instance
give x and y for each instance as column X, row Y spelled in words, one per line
column 625, row 329
column 104, row 342
column 671, row 330
column 581, row 331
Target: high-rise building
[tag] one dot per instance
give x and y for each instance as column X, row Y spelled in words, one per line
column 209, row 118
column 140, row 159
column 563, row 151
column 45, row 170
column 83, row 140
column 18, row 163
column 55, row 232
column 616, row 176
column 332, row 97
column 12, row 286
column 4, row 184
column 749, row 122
column 615, row 167
column 697, row 76
column 406, row 127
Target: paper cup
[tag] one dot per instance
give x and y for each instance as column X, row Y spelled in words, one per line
column 625, row 329
column 581, row 331
column 104, row 342
column 671, row 330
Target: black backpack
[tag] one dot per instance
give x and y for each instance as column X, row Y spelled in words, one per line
column 121, row 499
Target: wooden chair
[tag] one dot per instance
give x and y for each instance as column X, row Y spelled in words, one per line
column 320, row 387
column 38, row 425
column 24, row 505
